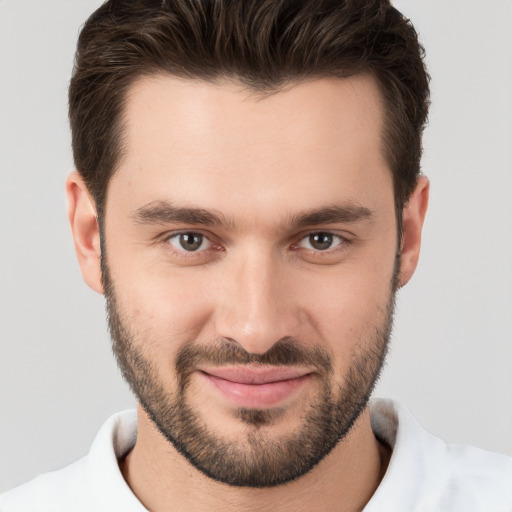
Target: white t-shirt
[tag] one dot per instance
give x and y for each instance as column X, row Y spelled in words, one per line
column 425, row 474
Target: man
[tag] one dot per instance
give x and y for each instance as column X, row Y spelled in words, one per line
column 248, row 199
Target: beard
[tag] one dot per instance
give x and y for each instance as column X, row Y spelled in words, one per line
column 257, row 460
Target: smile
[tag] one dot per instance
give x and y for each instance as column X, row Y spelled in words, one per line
column 256, row 387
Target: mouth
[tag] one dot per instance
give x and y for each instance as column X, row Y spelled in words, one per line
column 256, row 387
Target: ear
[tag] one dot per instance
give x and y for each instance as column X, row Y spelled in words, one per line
column 413, row 217
column 86, row 233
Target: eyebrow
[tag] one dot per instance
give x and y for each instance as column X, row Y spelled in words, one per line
column 163, row 212
column 346, row 214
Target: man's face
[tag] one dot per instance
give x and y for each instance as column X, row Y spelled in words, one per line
column 249, row 265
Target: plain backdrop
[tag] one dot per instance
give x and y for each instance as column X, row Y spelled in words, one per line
column 451, row 356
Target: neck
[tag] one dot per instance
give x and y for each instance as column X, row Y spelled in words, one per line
column 344, row 481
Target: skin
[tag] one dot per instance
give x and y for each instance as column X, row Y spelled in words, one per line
column 256, row 162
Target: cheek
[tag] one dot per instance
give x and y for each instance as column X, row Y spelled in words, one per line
column 164, row 309
column 349, row 307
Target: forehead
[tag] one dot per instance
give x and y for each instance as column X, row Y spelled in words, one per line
column 218, row 142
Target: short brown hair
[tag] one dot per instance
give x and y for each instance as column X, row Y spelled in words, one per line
column 264, row 44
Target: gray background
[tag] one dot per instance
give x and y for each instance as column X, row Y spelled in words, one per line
column 451, row 359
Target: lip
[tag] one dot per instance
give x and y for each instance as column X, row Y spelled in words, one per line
column 256, row 374
column 256, row 387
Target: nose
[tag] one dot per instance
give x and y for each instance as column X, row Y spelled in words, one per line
column 257, row 302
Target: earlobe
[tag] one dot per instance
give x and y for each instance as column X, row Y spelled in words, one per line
column 85, row 229
column 413, row 217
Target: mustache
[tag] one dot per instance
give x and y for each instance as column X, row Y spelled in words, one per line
column 285, row 352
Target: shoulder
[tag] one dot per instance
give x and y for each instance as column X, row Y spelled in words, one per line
column 470, row 478
column 94, row 482
column 51, row 491
column 426, row 473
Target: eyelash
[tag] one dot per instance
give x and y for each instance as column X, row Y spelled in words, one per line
column 341, row 241
column 342, row 244
column 192, row 254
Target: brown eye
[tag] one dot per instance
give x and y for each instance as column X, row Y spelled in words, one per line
column 189, row 242
column 321, row 241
